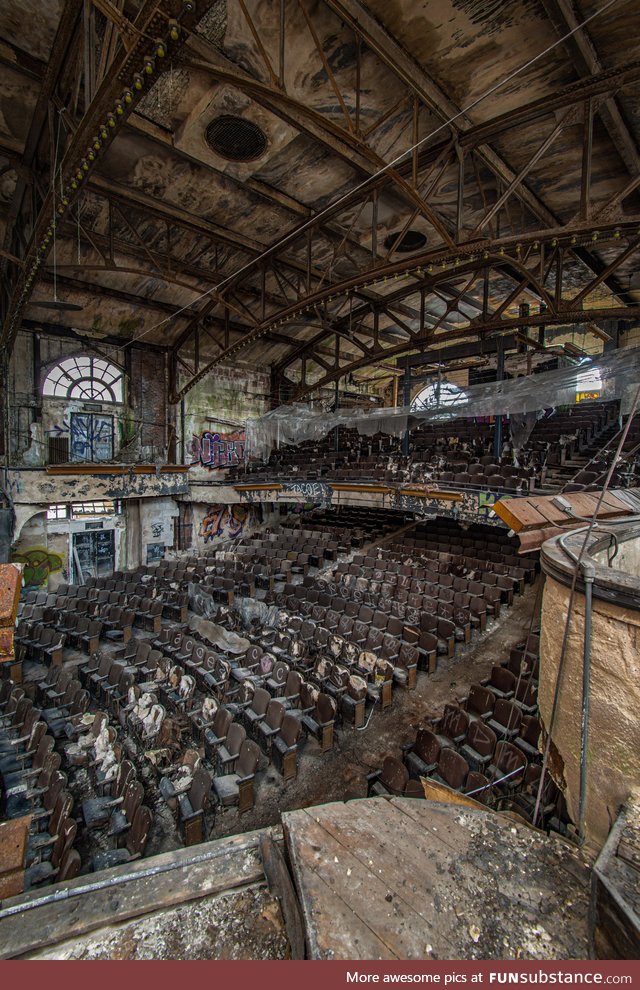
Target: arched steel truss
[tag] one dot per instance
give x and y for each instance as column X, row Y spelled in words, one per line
column 329, row 290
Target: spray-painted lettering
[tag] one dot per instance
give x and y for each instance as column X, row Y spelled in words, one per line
column 217, row 450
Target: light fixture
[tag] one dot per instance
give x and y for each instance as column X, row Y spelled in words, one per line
column 161, row 51
column 149, row 65
column 174, row 30
column 138, row 82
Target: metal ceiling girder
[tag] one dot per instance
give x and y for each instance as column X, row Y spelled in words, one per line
column 64, row 34
column 506, row 253
column 566, row 318
column 151, row 20
column 516, row 183
column 362, row 21
column 586, row 61
column 134, row 197
column 347, row 145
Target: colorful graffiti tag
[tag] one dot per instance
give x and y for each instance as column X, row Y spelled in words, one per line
column 39, row 563
column 224, row 522
column 217, row 450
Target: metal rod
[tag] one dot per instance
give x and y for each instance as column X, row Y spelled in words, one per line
column 588, row 571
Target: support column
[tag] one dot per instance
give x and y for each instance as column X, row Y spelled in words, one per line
column 497, row 436
column 406, row 396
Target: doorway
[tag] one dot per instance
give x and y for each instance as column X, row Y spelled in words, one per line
column 93, row 554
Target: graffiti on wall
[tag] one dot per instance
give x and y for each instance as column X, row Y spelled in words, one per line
column 91, row 437
column 39, row 563
column 224, row 522
column 473, row 507
column 316, row 492
column 486, row 502
column 217, row 450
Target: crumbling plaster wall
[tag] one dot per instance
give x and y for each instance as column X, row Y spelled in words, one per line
column 44, row 547
column 221, row 404
column 156, row 526
column 613, row 766
column 216, row 522
column 141, row 424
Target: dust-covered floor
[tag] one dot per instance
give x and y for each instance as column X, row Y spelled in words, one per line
column 244, row 924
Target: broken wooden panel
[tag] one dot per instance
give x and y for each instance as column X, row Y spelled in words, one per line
column 537, row 518
column 10, row 587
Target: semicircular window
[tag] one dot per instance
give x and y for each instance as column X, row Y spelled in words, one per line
column 435, row 396
column 85, row 378
column 236, row 138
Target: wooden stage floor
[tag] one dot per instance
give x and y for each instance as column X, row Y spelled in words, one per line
column 398, row 878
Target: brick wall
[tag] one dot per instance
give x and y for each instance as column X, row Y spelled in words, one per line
column 148, row 396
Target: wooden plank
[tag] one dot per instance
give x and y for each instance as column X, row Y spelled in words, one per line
column 281, row 886
column 355, row 887
column 519, row 514
column 557, row 517
column 29, row 922
column 457, row 882
column 371, row 831
column 343, row 935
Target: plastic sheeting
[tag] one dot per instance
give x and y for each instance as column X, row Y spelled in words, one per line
column 218, row 636
column 295, row 424
column 253, row 611
column 521, row 427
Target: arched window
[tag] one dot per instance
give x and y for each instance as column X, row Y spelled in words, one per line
column 450, row 394
column 85, row 378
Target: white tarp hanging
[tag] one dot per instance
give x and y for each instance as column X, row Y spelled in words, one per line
column 618, row 373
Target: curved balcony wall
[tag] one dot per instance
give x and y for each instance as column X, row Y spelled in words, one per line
column 610, row 765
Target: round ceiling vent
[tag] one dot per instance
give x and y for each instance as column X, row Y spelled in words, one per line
column 235, row 138
column 411, row 240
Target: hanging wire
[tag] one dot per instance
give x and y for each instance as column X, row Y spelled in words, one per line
column 293, row 235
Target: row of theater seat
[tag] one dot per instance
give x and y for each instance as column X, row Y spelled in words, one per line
column 457, row 454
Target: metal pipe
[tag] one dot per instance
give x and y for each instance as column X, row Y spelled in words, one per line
column 588, row 573
column 89, row 888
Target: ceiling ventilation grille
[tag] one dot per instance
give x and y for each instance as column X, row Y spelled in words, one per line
column 235, row 138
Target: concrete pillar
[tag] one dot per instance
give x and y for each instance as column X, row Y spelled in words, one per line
column 133, row 551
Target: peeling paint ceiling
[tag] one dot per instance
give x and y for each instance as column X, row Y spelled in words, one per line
column 163, row 219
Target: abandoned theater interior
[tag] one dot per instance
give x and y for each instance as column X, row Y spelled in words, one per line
column 319, row 479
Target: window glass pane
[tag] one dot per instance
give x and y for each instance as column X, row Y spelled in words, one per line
column 85, row 378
